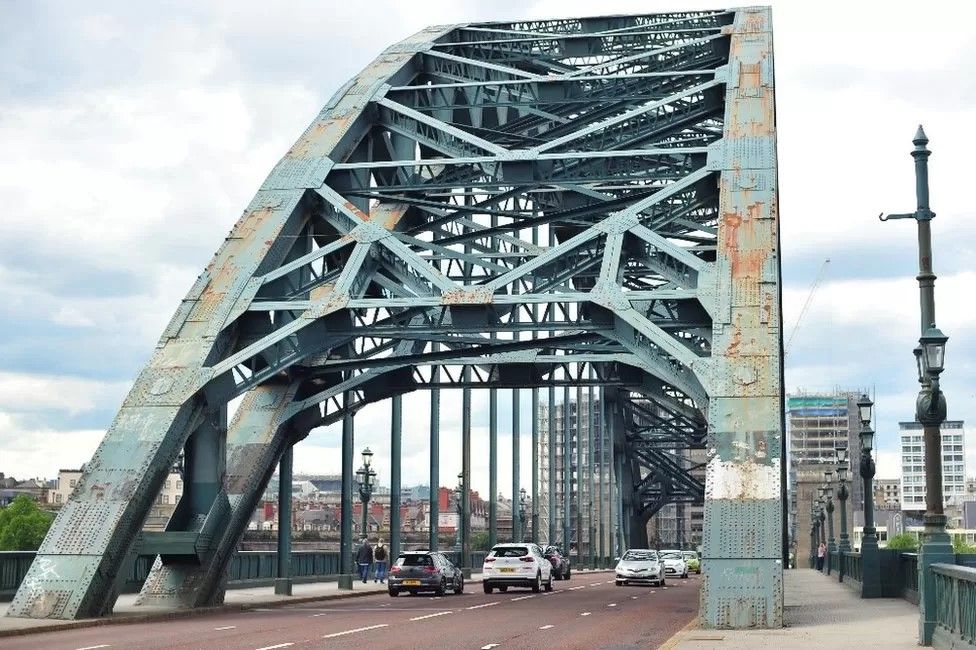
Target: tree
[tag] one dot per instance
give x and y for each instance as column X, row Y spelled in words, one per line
column 479, row 542
column 23, row 525
column 903, row 542
column 959, row 545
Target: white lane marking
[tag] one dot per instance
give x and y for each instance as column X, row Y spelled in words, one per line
column 95, row 647
column 633, row 597
column 595, row 584
column 262, row 609
column 585, row 614
column 272, row 647
column 653, row 592
column 489, row 646
column 320, row 614
column 358, row 629
column 612, row 605
column 484, row 605
column 575, row 588
column 609, row 581
column 420, row 618
column 547, row 627
column 523, row 598
column 226, row 627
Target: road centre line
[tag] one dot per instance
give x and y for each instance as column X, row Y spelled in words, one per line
column 497, row 602
column 420, row 618
column 358, row 629
column 226, row 627
column 95, row 647
column 575, row 588
column 272, row 647
column 612, row 605
column 595, row 584
column 547, row 627
column 523, row 598
column 585, row 614
column 489, row 646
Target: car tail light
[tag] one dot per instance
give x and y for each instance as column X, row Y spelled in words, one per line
column 527, row 558
column 394, row 569
column 430, row 569
column 489, row 559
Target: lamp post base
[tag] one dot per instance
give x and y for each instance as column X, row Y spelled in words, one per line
column 345, row 581
column 870, row 567
column 936, row 548
column 282, row 586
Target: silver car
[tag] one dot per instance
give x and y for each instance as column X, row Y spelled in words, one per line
column 640, row 566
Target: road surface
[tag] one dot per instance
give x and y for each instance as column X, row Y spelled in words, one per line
column 588, row 611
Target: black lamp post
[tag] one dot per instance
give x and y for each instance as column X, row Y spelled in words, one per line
column 523, row 499
column 459, row 492
column 842, row 454
column 814, row 534
column 829, row 496
column 870, row 558
column 366, row 477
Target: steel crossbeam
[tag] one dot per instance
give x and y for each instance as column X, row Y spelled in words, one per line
column 582, row 202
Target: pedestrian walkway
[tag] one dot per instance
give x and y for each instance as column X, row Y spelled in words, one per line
column 819, row 613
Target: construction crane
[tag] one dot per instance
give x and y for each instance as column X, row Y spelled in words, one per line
column 806, row 306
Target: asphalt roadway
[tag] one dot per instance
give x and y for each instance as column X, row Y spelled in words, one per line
column 588, row 611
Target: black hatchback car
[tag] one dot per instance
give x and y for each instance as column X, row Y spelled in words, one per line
column 560, row 563
column 416, row 571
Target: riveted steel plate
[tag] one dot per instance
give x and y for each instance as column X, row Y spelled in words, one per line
column 740, row 593
column 744, row 528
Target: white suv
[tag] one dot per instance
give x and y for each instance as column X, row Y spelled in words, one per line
column 516, row 565
column 674, row 563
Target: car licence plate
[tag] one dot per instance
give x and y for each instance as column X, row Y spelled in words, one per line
column 411, row 583
column 507, row 570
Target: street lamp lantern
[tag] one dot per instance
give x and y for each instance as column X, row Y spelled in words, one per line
column 843, row 456
column 864, row 405
column 919, row 364
column 933, row 343
column 366, row 477
column 828, row 478
column 867, row 438
column 367, row 458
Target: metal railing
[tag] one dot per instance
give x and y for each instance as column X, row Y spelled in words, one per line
column 955, row 605
column 908, row 576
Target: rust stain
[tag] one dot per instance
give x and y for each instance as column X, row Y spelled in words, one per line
column 735, row 344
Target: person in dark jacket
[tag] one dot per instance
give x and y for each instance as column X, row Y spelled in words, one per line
column 380, row 555
column 364, row 558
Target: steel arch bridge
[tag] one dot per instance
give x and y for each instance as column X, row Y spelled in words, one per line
column 570, row 202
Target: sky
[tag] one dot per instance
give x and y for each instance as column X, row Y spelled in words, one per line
column 132, row 137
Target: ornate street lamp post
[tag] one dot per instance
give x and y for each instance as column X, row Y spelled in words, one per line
column 930, row 407
column 521, row 515
column 459, row 492
column 814, row 534
column 366, row 477
column 870, row 558
column 828, row 494
column 843, row 466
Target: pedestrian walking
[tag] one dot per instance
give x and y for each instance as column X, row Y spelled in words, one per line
column 364, row 558
column 380, row 555
column 821, row 554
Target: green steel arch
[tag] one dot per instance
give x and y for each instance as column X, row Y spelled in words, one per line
column 535, row 204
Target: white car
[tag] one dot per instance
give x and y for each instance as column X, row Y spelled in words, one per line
column 516, row 565
column 674, row 563
column 640, row 566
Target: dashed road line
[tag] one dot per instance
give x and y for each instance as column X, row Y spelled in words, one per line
column 547, row 627
column 609, row 582
column 523, row 598
column 635, row 597
column 272, row 647
column 594, row 584
column 575, row 588
column 489, row 646
column 95, row 647
column 225, row 627
column 319, row 614
column 358, row 629
column 484, row 605
column 585, row 614
column 420, row 618
column 612, row 605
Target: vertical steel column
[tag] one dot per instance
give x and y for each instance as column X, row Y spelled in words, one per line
column 435, row 456
column 603, row 460
column 535, row 425
column 492, row 466
column 590, row 422
column 579, row 474
column 567, row 473
column 345, row 534
column 611, row 534
column 466, row 469
column 396, row 436
column 552, row 464
column 282, row 585
column 517, row 522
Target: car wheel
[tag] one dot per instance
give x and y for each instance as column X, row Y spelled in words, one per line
column 459, row 589
column 394, row 592
column 698, row 571
column 619, row 583
column 503, row 589
column 559, row 576
column 569, row 572
column 684, row 576
column 549, row 582
column 487, row 587
column 537, row 585
column 441, row 588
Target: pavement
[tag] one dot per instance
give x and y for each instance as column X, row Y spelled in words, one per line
column 819, row 613
column 588, row 611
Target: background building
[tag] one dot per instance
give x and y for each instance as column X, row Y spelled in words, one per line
column 887, row 491
column 816, row 424
column 913, row 464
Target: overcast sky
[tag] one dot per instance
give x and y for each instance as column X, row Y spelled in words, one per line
column 131, row 139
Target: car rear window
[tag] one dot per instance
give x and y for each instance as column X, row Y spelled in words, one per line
column 510, row 551
column 640, row 556
column 671, row 556
column 415, row 560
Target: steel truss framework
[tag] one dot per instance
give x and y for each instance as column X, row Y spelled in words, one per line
column 540, row 203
